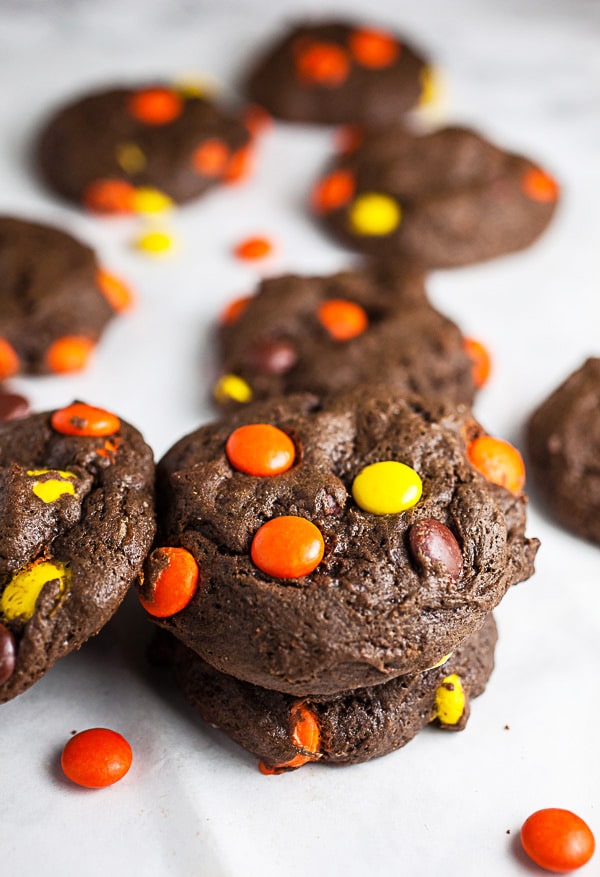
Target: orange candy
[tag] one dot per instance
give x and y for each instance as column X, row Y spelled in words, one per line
column 374, row 48
column 260, row 449
column 69, row 354
column 498, row 462
column 343, row 319
column 253, row 248
column 324, row 64
column 540, row 186
column 557, row 840
column 175, row 583
column 480, row 358
column 211, row 158
column 333, row 191
column 305, row 736
column 155, row 106
column 82, row 419
column 109, row 196
column 288, row 547
column 96, row 758
column 234, row 309
column 9, row 361
column 115, row 291
column 239, row 166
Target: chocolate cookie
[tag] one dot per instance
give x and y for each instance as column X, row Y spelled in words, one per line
column 76, row 521
column 314, row 545
column 129, row 150
column 325, row 334
column 445, row 198
column 564, row 448
column 55, row 300
column 337, row 72
column 349, row 728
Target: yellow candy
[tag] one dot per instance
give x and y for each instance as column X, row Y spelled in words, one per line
column 232, row 387
column 53, row 488
column 375, row 214
column 450, row 700
column 387, row 488
column 155, row 242
column 441, row 661
column 20, row 595
column 131, row 158
column 430, row 87
column 146, row 200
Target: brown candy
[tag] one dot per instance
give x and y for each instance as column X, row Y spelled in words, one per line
column 12, row 406
column 274, row 356
column 435, row 549
column 8, row 654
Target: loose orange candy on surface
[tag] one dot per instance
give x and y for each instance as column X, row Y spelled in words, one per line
column 260, row 449
column 9, row 361
column 288, row 547
column 211, row 158
column 498, row 462
column 109, row 196
column 155, row 106
column 82, row 419
column 253, row 248
column 374, row 48
column 306, row 736
column 322, row 64
column 333, row 191
column 96, row 758
column 343, row 319
column 115, row 291
column 557, row 840
column 69, row 354
column 540, row 186
column 480, row 358
column 173, row 585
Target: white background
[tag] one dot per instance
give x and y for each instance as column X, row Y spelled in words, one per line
column 528, row 75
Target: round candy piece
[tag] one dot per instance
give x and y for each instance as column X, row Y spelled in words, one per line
column 155, row 106
column 8, row 654
column 232, row 311
column 82, row 419
column 211, row 158
column 374, row 48
column 375, row 214
column 9, row 361
column 273, row 356
column 450, row 700
column 288, row 547
column 320, row 63
column 540, row 186
column 481, row 360
column 306, row 736
column 498, row 461
column 260, row 449
column 343, row 319
column 387, row 488
column 96, row 758
column 557, row 840
column 435, row 549
column 170, row 581
column 253, row 248
column 333, row 191
column 69, row 354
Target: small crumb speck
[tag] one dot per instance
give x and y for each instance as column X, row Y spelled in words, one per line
column 507, row 727
column 508, row 830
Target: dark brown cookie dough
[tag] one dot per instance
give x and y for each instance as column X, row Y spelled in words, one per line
column 129, row 150
column 393, row 591
column 285, row 733
column 76, row 521
column 563, row 440
column 338, row 72
column 446, row 198
column 55, row 300
column 325, row 334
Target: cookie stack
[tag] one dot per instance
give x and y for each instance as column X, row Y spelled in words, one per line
column 328, row 567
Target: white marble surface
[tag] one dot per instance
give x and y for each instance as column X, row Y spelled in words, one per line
column 528, row 74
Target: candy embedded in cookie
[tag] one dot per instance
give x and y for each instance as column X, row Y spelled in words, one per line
column 55, row 300
column 348, row 728
column 445, row 198
column 326, row 334
column 338, row 72
column 141, row 150
column 354, row 543
column 76, row 522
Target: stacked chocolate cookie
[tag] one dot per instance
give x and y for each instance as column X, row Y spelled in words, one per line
column 328, row 566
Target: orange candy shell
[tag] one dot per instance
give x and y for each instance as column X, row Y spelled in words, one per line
column 211, row 158
column 232, row 311
column 374, row 48
column 321, row 63
column 116, row 292
column 155, row 106
column 175, row 584
column 343, row 319
column 9, row 361
column 557, row 840
column 498, row 462
column 69, row 354
column 333, row 191
column 287, row 547
column 109, row 196
column 540, row 186
column 253, row 248
column 482, row 363
column 84, row 420
column 306, row 736
column 96, row 758
column 260, row 449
